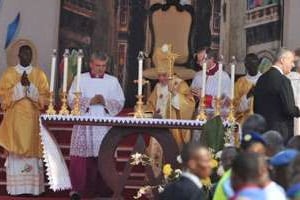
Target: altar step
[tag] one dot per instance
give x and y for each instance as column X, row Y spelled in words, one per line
column 62, row 134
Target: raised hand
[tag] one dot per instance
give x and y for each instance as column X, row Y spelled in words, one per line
column 24, row 80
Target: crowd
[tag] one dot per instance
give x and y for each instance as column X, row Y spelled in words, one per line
column 262, row 168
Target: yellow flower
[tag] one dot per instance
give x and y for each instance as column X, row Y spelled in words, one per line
column 214, row 163
column 206, row 182
column 167, row 170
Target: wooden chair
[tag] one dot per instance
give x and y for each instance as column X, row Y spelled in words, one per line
column 172, row 23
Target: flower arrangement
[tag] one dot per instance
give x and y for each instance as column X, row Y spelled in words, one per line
column 169, row 175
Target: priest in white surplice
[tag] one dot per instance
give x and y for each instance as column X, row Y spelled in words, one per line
column 212, row 82
column 295, row 80
column 102, row 95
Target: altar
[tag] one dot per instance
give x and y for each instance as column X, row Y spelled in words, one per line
column 122, row 127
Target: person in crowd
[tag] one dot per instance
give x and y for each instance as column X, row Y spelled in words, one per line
column 293, row 191
column 274, row 142
column 254, row 123
column 252, row 143
column 24, row 92
column 102, row 96
column 196, row 161
column 294, row 143
column 247, row 168
column 281, row 169
column 244, row 88
column 274, row 97
column 227, row 156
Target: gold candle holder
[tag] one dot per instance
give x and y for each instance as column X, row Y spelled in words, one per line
column 231, row 114
column 76, row 108
column 217, row 111
column 139, row 111
column 51, row 110
column 64, row 108
column 202, row 116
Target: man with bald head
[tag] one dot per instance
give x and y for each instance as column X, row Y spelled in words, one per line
column 274, row 98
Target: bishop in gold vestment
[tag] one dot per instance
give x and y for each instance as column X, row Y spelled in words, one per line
column 177, row 105
column 171, row 99
column 23, row 92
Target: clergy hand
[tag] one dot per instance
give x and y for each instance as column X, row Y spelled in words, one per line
column 97, row 99
column 172, row 88
column 196, row 92
column 24, row 80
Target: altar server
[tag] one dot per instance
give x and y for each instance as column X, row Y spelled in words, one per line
column 244, row 88
column 101, row 95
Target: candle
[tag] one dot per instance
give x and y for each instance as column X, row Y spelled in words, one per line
column 66, row 63
column 53, row 65
column 232, row 78
column 140, row 75
column 203, row 80
column 220, row 71
column 79, row 66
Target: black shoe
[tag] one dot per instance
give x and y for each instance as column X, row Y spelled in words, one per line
column 75, row 196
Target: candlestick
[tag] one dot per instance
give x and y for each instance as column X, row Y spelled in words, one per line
column 51, row 110
column 203, row 80
column 65, row 76
column 231, row 115
column 139, row 111
column 217, row 107
column 53, row 65
column 76, row 108
column 140, row 73
column 79, row 66
column 220, row 71
column 64, row 108
column 202, row 115
column 232, row 77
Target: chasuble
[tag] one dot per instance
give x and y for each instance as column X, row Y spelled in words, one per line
column 19, row 130
column 180, row 106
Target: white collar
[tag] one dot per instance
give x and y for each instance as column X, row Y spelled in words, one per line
column 253, row 79
column 278, row 68
column 20, row 69
column 193, row 178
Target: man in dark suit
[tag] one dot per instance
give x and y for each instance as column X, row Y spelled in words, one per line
column 197, row 165
column 274, row 98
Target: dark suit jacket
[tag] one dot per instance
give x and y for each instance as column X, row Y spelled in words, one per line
column 183, row 189
column 274, row 99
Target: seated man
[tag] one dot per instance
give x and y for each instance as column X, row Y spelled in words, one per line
column 102, row 95
column 24, row 93
column 170, row 99
column 212, row 82
column 244, row 87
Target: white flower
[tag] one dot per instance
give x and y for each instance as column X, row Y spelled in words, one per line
column 136, row 158
column 178, row 171
column 179, row 159
column 165, row 48
column 218, row 154
column 142, row 191
column 220, row 171
column 160, row 189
